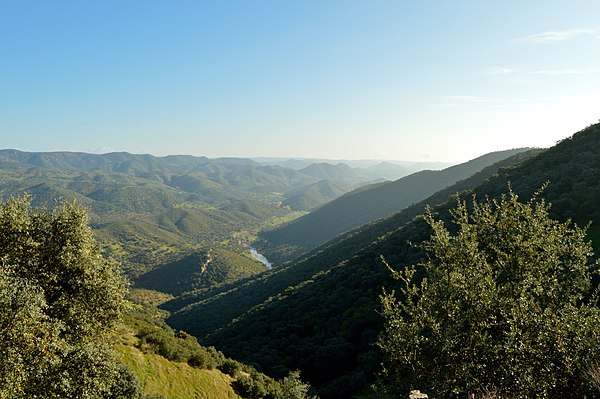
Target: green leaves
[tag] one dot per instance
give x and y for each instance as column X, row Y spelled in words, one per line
column 502, row 305
column 59, row 300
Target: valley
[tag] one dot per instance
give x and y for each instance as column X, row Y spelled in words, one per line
column 299, row 200
column 268, row 284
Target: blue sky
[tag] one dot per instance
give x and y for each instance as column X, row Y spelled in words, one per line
column 420, row 80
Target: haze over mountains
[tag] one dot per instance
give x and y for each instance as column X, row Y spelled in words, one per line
column 396, row 169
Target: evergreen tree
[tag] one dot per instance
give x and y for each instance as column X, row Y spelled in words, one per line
column 59, row 299
column 505, row 305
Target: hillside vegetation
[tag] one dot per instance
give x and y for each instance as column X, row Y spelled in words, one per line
column 175, row 380
column 319, row 313
column 365, row 205
column 150, row 211
column 201, row 271
column 172, row 364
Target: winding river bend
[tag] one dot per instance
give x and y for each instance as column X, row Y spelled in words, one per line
column 260, row 257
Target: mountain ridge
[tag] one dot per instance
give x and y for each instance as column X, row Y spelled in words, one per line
column 342, row 247
column 365, row 205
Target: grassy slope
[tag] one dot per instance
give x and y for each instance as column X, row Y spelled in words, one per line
column 175, row 380
column 157, row 374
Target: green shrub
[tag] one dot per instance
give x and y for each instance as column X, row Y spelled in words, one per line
column 126, row 386
column 231, row 367
column 505, row 304
column 178, row 347
column 59, row 301
column 256, row 386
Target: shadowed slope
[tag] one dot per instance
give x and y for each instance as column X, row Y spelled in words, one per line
column 365, row 205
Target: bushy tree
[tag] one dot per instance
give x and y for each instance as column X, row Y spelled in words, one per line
column 292, row 387
column 59, row 299
column 256, row 385
column 126, row 386
column 505, row 304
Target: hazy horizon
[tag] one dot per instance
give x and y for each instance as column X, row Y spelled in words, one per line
column 277, row 160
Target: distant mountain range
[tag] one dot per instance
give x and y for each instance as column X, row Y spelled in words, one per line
column 299, row 163
column 367, row 169
column 150, row 210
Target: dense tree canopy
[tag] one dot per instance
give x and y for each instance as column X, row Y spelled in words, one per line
column 505, row 304
column 59, row 299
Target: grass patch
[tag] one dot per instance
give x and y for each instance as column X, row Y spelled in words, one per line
column 175, row 380
column 278, row 221
column 149, row 298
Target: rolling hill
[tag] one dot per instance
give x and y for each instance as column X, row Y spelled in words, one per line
column 365, row 205
column 316, row 194
column 148, row 211
column 200, row 271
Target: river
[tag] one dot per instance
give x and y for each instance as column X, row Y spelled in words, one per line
column 260, row 257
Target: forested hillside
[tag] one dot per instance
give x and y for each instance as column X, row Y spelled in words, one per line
column 148, row 211
column 240, row 297
column 316, row 194
column 363, row 206
column 319, row 314
column 358, row 286
column 200, row 272
column 70, row 328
